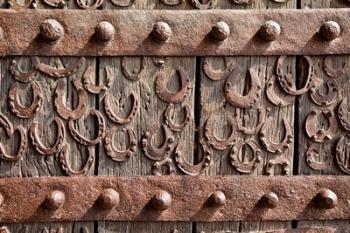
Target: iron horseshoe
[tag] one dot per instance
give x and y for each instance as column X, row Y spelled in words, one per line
column 60, row 72
column 312, row 152
column 340, row 149
column 168, row 162
column 168, row 118
column 276, row 96
column 321, row 135
column 122, row 3
column 343, row 114
column 216, row 75
column 82, row 4
column 97, row 89
column 331, row 71
column 328, row 98
column 202, row 6
column 114, row 153
column 243, row 2
column 135, row 75
column 254, row 130
column 280, row 160
column 24, row 76
column 172, row 2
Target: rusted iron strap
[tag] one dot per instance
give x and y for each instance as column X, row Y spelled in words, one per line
column 173, row 198
column 181, row 33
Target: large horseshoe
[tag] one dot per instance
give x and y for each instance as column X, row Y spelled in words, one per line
column 203, row 6
column 64, row 161
column 275, row 95
column 189, row 168
column 135, row 75
column 168, row 118
column 285, row 80
column 97, row 89
column 163, row 151
column 240, row 165
column 24, row 76
column 343, row 163
column 62, row 110
column 313, row 152
column 167, row 96
column 39, row 145
column 122, row 3
column 217, row 75
column 256, row 128
column 331, row 71
column 60, row 72
column 343, row 114
column 168, row 162
column 246, row 101
column 114, row 153
column 83, row 5
column 18, row 109
column 317, row 134
column 213, row 141
column 83, row 140
column 328, row 98
column 275, row 147
column 122, row 120
column 280, row 160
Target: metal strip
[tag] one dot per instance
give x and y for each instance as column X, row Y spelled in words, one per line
column 174, row 198
column 179, row 33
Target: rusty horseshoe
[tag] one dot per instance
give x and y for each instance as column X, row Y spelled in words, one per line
column 317, row 133
column 243, row 2
column 60, row 72
column 97, row 89
column 172, row 2
column 84, row 5
column 169, row 118
column 203, row 6
column 24, row 76
column 331, row 71
column 313, row 152
column 134, row 75
column 256, row 128
column 122, row 3
column 275, row 95
column 343, row 114
column 342, row 154
column 279, row 160
column 329, row 97
column 116, row 154
column 168, row 162
column 217, row 75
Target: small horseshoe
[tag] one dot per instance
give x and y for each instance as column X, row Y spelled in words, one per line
column 167, row 96
column 285, row 79
column 240, row 165
column 202, row 6
column 55, row 3
column 135, row 75
column 114, row 153
column 82, row 4
column 280, row 160
column 24, row 76
column 213, row 141
column 246, row 101
column 168, row 118
column 122, row 3
column 64, row 161
column 243, row 2
column 341, row 152
column 311, row 153
column 157, row 167
column 60, row 72
column 83, row 140
column 162, row 152
column 217, row 75
column 254, row 130
column 97, row 89
column 189, row 168
column 276, row 96
column 343, row 114
column 275, row 147
column 317, row 134
column 38, row 144
column 331, row 71
column 325, row 99
column 62, row 110
column 18, row 109
column 120, row 120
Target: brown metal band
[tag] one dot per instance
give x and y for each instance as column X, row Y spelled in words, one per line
column 174, row 198
column 187, row 33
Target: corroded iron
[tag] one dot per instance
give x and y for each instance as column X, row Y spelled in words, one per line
column 104, row 30
column 203, row 5
column 255, row 129
column 55, row 199
column 277, row 96
column 280, row 160
column 217, row 199
column 341, row 153
column 162, row 32
column 317, row 133
column 97, row 89
column 312, row 153
column 51, row 30
column 134, row 75
column 330, row 30
column 220, row 31
column 270, row 30
column 327, row 98
column 86, row 6
column 158, row 167
column 269, row 200
column 109, row 199
column 24, row 76
column 121, row 155
column 326, row 198
column 60, row 72
column 334, row 72
column 217, row 75
column 168, row 115
column 343, row 114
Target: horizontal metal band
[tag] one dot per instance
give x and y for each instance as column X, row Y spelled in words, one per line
column 174, row 198
column 186, row 33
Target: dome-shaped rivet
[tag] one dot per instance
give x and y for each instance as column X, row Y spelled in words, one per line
column 270, row 30
column 162, row 32
column 55, row 199
column 217, row 199
column 220, row 31
column 104, row 31
column 109, row 199
column 161, row 200
column 327, row 199
column 330, row 30
column 51, row 30
column 4, row 229
column 270, row 200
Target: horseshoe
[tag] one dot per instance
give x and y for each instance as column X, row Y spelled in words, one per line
column 280, row 1
column 244, row 2
column 64, row 161
column 55, row 3
column 341, row 152
column 83, row 140
column 285, row 80
column 163, row 151
column 60, row 72
column 39, row 145
column 116, row 154
column 343, row 114
column 122, row 3
column 13, row 4
column 168, row 118
column 246, row 101
column 62, row 110
column 167, row 96
column 172, row 2
column 240, row 165
column 217, row 75
column 135, row 75
column 276, row 96
column 157, row 167
column 22, row 111
column 202, row 6
column 280, row 160
column 213, row 141
column 83, row 5
column 254, row 130
column 275, row 147
column 120, row 120
column 331, row 71
column 317, row 134
column 24, row 76
column 189, row 168
column 97, row 89
column 325, row 99
column 311, row 153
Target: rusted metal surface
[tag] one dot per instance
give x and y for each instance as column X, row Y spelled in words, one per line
column 174, row 198
column 174, row 33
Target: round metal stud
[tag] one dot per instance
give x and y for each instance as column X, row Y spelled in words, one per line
column 109, row 199
column 270, row 200
column 51, row 30
column 104, row 31
column 162, row 32
column 270, row 30
column 161, row 200
column 220, row 31
column 330, row 30
column 217, row 199
column 55, row 199
column 326, row 199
